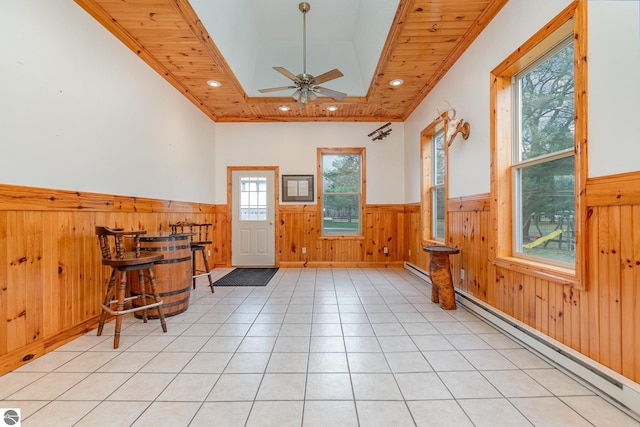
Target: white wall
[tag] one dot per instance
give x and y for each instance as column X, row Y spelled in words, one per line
column 614, row 91
column 79, row 111
column 292, row 147
column 614, row 86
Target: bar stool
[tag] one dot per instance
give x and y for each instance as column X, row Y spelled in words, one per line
column 199, row 238
column 122, row 263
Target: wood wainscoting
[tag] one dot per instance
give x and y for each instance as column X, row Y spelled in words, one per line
column 51, row 277
column 299, row 227
column 602, row 320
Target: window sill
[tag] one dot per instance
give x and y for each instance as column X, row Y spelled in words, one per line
column 342, row 237
column 563, row 276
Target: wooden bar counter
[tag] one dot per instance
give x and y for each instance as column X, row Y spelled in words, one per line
column 173, row 272
column 442, row 290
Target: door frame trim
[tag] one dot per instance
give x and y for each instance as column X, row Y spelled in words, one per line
column 276, row 205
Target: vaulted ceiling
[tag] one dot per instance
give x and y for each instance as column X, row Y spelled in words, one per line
column 424, row 40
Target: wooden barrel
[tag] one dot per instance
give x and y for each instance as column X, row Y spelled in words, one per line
column 172, row 273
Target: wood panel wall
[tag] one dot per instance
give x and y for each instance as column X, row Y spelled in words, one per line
column 51, row 276
column 299, row 227
column 601, row 321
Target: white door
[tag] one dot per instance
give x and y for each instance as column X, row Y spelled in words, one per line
column 253, row 239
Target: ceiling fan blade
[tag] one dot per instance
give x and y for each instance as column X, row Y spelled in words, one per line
column 286, row 73
column 275, row 89
column 330, row 93
column 329, row 75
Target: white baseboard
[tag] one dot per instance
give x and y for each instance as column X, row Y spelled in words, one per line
column 607, row 383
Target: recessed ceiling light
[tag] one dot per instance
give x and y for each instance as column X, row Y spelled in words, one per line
column 396, row 82
column 284, row 108
column 332, row 108
column 214, row 83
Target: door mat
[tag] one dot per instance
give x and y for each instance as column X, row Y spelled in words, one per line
column 246, row 277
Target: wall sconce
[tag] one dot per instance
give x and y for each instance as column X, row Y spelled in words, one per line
column 380, row 133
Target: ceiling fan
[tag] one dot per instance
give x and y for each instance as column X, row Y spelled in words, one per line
column 305, row 84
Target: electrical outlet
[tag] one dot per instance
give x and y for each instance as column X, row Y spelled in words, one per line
column 209, row 252
column 462, row 274
column 385, row 250
column 304, row 250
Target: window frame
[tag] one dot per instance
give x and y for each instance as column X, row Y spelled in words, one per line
column 572, row 20
column 360, row 151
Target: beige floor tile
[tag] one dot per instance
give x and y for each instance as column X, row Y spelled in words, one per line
column 167, row 362
column 493, row 413
column 235, row 387
column 49, row 386
column 292, row 344
column 327, row 345
column 14, row 381
column 60, row 413
column 97, row 386
column 375, row 387
column 362, row 344
column 207, row 363
column 468, row 385
column 329, row 387
column 368, row 363
column 167, row 414
column 189, row 388
column 282, row 387
column 142, row 387
column 558, row 382
column 114, row 414
column 383, row 414
column 438, row 413
column 447, row 361
column 328, row 362
column 222, row 414
column 288, row 363
column 515, row 384
column 319, row 413
column 422, row 386
column 600, row 412
column 412, row 361
column 276, row 414
column 245, row 363
column 549, row 411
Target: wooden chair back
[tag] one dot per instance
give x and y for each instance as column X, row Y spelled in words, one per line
column 199, row 232
column 118, row 250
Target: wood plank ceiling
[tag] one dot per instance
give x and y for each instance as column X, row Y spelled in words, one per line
column 425, row 40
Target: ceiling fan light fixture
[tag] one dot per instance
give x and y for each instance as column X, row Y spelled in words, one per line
column 307, row 85
column 214, row 83
column 396, row 82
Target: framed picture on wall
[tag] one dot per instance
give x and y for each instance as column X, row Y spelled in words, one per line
column 297, row 188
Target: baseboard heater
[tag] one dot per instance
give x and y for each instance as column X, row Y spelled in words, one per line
column 607, row 383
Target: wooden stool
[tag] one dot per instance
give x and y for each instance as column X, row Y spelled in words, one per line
column 440, row 272
column 122, row 263
column 199, row 240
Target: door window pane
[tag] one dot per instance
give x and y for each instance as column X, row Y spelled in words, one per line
column 253, row 198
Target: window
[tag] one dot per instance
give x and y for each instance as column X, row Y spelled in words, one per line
column 341, row 190
column 437, row 186
column 538, row 146
column 433, row 200
column 543, row 163
column 253, row 198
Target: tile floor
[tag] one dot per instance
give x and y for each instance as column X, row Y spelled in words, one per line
column 315, row 347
